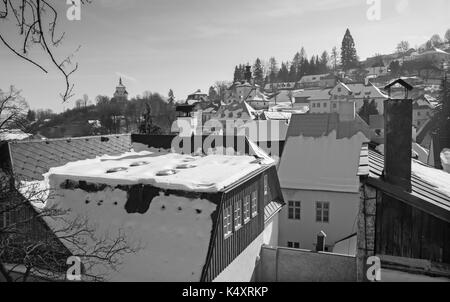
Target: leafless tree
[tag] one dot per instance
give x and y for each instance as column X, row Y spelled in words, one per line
column 37, row 21
column 28, row 243
column 13, row 109
column 402, row 49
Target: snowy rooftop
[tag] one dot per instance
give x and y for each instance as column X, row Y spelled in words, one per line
column 428, row 184
column 164, row 169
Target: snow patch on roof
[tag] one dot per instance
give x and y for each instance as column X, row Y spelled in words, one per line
column 211, row 173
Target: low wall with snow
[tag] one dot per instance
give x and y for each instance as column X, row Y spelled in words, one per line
column 292, row 265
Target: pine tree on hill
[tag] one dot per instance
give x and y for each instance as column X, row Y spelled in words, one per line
column 258, row 72
column 349, row 59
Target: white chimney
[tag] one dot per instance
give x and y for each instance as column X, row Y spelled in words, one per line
column 347, row 111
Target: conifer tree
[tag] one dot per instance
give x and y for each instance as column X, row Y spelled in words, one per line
column 349, row 59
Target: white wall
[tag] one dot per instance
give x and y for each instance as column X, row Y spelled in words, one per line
column 342, row 217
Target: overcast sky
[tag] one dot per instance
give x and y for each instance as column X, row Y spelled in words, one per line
column 189, row 44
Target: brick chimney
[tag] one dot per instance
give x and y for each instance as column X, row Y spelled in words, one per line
column 398, row 138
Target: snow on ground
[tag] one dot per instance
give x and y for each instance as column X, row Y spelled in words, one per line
column 174, row 233
column 209, row 173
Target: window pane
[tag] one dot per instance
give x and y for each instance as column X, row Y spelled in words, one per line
column 291, row 213
column 297, row 203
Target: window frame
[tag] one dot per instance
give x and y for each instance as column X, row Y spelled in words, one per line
column 254, row 204
column 227, row 221
column 293, row 206
column 266, row 184
column 324, row 207
column 247, row 215
column 237, row 214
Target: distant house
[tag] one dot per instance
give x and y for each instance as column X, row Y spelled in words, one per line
column 197, row 97
column 378, row 69
column 234, row 112
column 317, row 81
column 272, row 87
column 258, row 101
column 423, row 110
column 318, row 174
column 329, row 100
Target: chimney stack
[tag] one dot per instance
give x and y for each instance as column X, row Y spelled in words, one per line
column 248, row 73
column 398, row 138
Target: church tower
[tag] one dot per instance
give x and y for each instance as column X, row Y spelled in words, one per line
column 121, row 92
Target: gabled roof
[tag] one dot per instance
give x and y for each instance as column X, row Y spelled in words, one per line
column 313, row 94
column 31, row 159
column 400, row 82
column 322, row 153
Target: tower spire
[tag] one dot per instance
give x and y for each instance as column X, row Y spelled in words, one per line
column 120, row 81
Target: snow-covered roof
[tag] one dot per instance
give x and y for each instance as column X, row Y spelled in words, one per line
column 277, row 115
column 313, row 94
column 322, row 153
column 429, row 184
column 312, row 78
column 13, row 135
column 164, row 169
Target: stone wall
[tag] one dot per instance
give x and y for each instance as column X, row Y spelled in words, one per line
column 366, row 228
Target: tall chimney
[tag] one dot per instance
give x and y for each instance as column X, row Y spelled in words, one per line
column 248, row 73
column 398, row 139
